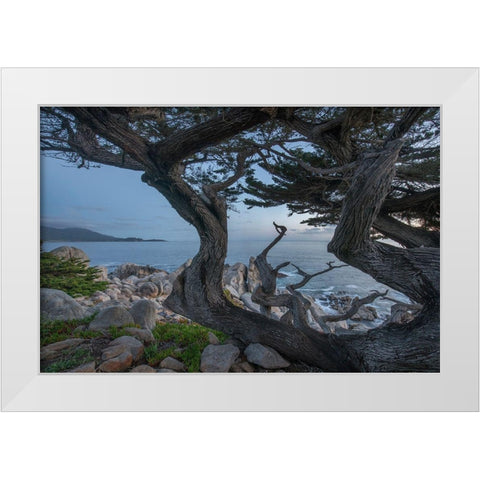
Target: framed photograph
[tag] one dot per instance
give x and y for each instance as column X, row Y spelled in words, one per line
column 340, row 294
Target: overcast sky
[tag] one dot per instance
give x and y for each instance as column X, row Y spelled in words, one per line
column 116, row 202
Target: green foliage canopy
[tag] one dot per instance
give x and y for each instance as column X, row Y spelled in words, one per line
column 72, row 276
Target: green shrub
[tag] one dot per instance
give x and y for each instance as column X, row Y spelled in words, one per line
column 155, row 353
column 180, row 341
column 116, row 332
column 73, row 276
column 58, row 330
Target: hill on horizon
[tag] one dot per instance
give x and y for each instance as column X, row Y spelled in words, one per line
column 51, row 234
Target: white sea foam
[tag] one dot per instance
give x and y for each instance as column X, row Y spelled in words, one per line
column 326, row 307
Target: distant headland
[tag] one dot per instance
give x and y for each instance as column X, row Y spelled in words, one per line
column 50, row 234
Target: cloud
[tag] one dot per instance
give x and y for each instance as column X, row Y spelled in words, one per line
column 88, row 209
column 312, row 231
column 62, row 222
column 125, row 219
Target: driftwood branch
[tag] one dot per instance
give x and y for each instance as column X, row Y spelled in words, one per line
column 356, row 304
column 281, row 230
column 268, row 274
column 308, row 276
column 279, row 267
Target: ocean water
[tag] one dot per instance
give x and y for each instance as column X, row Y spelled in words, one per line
column 310, row 256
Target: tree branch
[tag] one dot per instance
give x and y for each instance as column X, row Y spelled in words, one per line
column 214, row 188
column 406, row 235
column 279, row 267
column 113, row 128
column 334, row 135
column 407, row 202
column 83, row 142
column 187, row 142
column 405, row 123
column 326, row 172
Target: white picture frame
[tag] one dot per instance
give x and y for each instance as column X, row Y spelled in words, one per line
column 455, row 388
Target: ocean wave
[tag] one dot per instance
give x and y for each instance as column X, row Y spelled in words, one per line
column 327, row 289
column 326, row 307
column 289, row 274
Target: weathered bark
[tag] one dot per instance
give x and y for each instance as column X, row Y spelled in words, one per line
column 413, row 347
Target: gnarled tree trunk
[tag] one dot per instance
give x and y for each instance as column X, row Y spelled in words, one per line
column 198, row 293
column 412, row 271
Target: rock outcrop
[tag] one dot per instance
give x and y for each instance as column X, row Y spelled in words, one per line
column 127, row 269
column 172, row 364
column 147, row 290
column 236, row 277
column 132, row 344
column 112, row 316
column 144, row 313
column 218, row 358
column 58, row 305
column 54, row 350
column 120, row 354
column 265, row 357
column 253, row 276
column 70, row 253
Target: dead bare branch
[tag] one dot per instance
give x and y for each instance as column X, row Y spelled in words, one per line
column 308, row 276
column 356, row 304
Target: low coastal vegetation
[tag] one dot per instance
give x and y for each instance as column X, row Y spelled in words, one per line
column 116, row 332
column 70, row 360
column 59, row 330
column 184, row 342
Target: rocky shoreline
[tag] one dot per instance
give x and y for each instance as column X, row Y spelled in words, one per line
column 119, row 328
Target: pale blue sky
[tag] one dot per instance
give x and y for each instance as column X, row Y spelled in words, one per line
column 116, row 202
